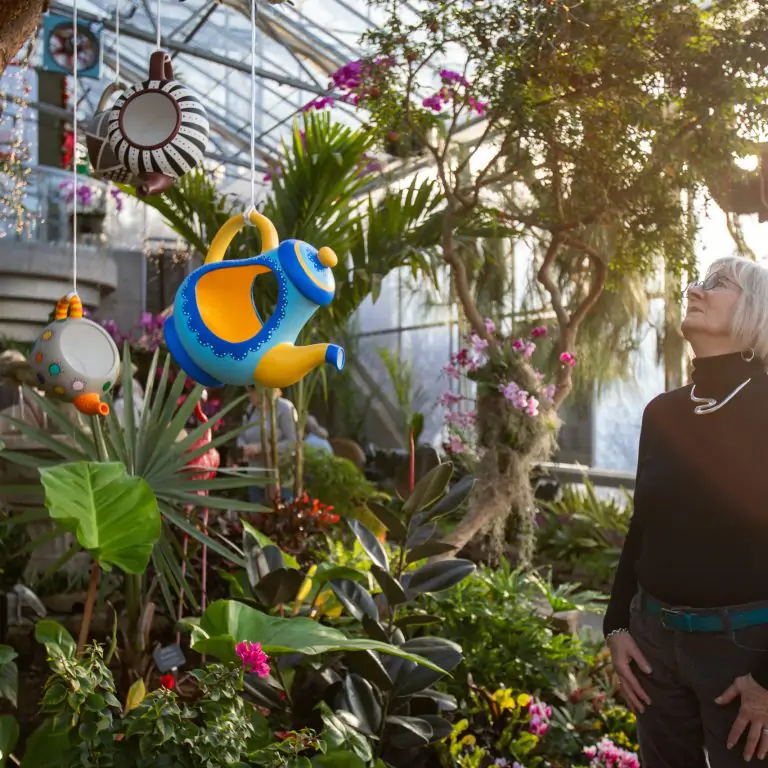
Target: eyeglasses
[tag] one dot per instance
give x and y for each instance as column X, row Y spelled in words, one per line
column 713, row 282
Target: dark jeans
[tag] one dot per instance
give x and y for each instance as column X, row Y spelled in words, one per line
column 689, row 670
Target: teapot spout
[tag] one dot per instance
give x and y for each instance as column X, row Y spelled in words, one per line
column 285, row 364
column 153, row 184
column 91, row 405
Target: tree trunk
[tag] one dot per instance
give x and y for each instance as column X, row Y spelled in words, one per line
column 18, row 20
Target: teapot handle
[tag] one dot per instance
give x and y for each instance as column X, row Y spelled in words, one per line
column 160, row 66
column 269, row 238
column 106, row 96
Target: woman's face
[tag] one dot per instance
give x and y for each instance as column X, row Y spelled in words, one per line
column 711, row 304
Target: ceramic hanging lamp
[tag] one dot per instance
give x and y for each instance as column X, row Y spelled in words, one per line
column 158, row 129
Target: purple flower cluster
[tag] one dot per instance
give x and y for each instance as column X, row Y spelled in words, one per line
column 84, row 193
column 452, row 82
column 117, row 196
column 253, row 657
column 502, row 762
column 146, row 335
column 607, row 755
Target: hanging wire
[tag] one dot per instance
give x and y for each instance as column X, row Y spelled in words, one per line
column 157, row 24
column 117, row 42
column 75, row 95
column 253, row 103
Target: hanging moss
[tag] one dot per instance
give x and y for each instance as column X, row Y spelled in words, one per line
column 511, row 443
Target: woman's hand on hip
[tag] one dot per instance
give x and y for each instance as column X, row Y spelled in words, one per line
column 753, row 714
column 624, row 651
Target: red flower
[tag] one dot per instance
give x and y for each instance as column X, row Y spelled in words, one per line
column 167, row 681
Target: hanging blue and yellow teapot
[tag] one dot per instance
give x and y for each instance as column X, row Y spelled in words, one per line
column 215, row 332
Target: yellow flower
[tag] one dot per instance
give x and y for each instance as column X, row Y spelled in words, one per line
column 469, row 740
column 631, row 717
column 504, row 698
column 523, row 699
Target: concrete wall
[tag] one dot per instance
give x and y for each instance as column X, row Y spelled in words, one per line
column 126, row 304
column 34, row 276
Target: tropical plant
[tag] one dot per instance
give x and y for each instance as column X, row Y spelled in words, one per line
column 113, row 515
column 382, row 685
column 199, row 720
column 581, row 535
column 158, row 450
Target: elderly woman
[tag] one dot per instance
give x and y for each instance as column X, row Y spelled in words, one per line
column 687, row 622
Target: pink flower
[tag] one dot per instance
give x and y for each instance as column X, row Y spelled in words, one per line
column 605, row 754
column 253, row 658
column 539, row 332
column 450, row 398
column 549, row 393
column 490, row 326
column 518, row 345
column 566, row 358
column 478, row 343
column 452, row 371
column 455, row 444
column 532, row 408
column 449, row 76
column 529, row 349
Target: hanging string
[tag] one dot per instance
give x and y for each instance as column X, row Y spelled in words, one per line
column 75, row 96
column 253, row 103
column 157, row 24
column 117, row 42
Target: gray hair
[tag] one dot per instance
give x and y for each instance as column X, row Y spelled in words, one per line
column 750, row 317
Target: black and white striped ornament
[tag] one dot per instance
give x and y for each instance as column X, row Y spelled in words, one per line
column 158, row 126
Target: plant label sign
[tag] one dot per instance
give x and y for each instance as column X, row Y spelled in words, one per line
column 169, row 657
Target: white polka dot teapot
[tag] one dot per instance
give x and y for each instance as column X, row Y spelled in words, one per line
column 75, row 359
column 158, row 129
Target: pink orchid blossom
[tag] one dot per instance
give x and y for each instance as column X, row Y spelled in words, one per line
column 539, row 331
column 566, row 358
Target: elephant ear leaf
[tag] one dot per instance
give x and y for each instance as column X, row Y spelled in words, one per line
column 114, row 515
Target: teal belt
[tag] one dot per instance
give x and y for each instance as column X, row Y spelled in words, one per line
column 711, row 620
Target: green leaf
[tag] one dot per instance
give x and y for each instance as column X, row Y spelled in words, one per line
column 452, row 500
column 9, row 675
column 226, row 623
column 390, row 586
column 435, row 577
column 407, row 732
column 264, row 541
column 9, row 735
column 339, row 733
column 430, row 488
column 370, row 544
column 45, row 747
column 355, row 598
column 278, row 587
column 430, row 549
column 55, row 638
column 113, row 514
column 358, row 697
column 338, row 759
column 390, row 520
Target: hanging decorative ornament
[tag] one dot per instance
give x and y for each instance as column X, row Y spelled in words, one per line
column 75, row 359
column 215, row 333
column 158, row 129
column 104, row 162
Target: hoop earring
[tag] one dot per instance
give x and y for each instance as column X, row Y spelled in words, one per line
column 748, row 355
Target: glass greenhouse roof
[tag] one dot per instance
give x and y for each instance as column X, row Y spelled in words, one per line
column 298, row 46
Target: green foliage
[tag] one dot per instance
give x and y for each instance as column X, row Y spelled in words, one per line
column 9, row 674
column 9, row 735
column 337, row 482
column 581, row 535
column 504, row 608
column 371, row 663
column 14, row 552
column 113, row 515
column 208, row 725
column 153, row 450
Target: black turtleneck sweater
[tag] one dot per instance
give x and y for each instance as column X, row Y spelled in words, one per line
column 699, row 533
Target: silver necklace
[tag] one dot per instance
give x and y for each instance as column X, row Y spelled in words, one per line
column 709, row 404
